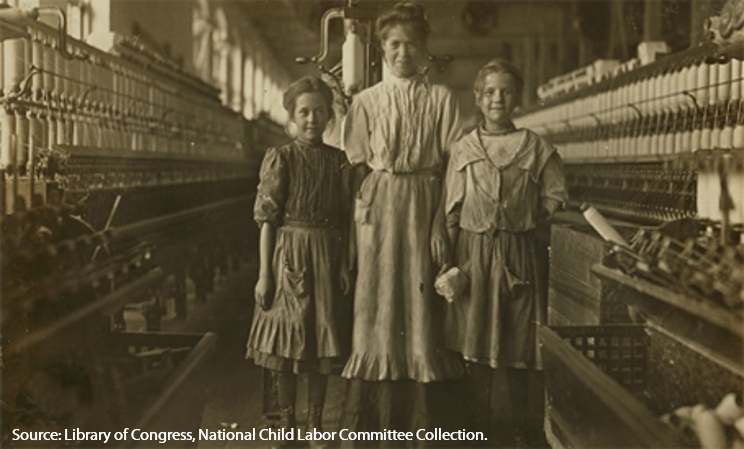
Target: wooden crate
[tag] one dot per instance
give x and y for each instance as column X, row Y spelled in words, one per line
column 575, row 296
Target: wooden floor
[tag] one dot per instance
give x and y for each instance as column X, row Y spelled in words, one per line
column 235, row 384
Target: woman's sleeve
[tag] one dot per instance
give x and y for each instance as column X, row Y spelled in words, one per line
column 451, row 122
column 356, row 132
column 272, row 189
column 455, row 194
column 553, row 193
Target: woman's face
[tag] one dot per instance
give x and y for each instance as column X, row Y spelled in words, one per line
column 403, row 51
column 499, row 98
column 311, row 116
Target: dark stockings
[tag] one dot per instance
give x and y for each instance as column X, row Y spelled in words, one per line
column 480, row 392
column 317, row 384
column 518, row 396
column 287, row 389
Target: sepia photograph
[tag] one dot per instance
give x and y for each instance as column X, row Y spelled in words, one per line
column 372, row 223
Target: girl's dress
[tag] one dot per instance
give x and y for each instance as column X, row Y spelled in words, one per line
column 303, row 193
column 496, row 186
column 401, row 129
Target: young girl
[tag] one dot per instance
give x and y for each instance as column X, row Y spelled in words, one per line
column 500, row 181
column 300, row 319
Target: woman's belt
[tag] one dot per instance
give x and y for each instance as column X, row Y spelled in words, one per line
column 429, row 172
column 309, row 225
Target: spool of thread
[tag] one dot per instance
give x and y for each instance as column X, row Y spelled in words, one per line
column 727, row 136
column 14, row 65
column 44, row 133
column 715, row 135
column 695, row 133
column 712, row 81
column 37, row 57
column 730, row 409
column 686, row 145
column 602, row 226
column 669, row 142
column 655, row 141
column 73, row 73
column 2, row 67
column 7, row 118
column 705, row 135
column 691, row 83
column 667, row 85
column 739, row 135
column 50, row 81
column 735, row 79
column 704, row 201
column 51, row 130
column 77, row 130
column 60, row 67
column 22, row 133
column 679, row 136
column 724, row 82
column 735, row 178
column 708, row 428
column 657, row 92
column 714, row 190
column 35, row 138
column 62, row 137
column 739, row 426
column 703, row 84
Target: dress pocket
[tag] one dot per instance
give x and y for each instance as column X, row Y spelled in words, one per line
column 513, row 285
column 295, row 281
column 364, row 199
column 362, row 211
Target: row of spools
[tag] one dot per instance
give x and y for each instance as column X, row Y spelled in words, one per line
column 79, row 96
column 682, row 110
column 678, row 111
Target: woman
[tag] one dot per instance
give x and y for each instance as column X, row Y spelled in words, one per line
column 400, row 129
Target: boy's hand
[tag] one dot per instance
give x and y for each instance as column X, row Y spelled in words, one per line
column 264, row 292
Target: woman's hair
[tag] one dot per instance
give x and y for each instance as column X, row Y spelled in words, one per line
column 306, row 85
column 404, row 13
column 498, row 65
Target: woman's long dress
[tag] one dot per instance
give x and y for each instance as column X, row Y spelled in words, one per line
column 401, row 129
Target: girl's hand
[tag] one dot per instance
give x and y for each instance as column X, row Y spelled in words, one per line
column 347, row 281
column 264, row 292
column 439, row 246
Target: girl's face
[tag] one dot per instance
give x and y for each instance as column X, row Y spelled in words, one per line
column 403, row 51
column 311, row 116
column 498, row 99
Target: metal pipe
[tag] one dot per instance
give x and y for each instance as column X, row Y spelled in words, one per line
column 333, row 13
column 62, row 30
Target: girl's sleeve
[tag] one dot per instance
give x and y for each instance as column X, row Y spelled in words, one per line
column 272, row 189
column 356, row 132
column 553, row 194
column 451, row 122
column 455, row 194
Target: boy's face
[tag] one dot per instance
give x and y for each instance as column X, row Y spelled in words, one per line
column 499, row 97
column 311, row 117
